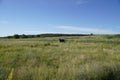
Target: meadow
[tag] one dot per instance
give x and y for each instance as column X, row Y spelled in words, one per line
column 45, row 58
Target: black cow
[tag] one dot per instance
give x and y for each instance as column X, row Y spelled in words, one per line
column 61, row 40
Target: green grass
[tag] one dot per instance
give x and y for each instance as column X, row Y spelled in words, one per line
column 79, row 58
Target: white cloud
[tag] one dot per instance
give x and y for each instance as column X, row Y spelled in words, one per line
column 86, row 30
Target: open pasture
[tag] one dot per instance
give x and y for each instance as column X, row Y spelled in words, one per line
column 78, row 58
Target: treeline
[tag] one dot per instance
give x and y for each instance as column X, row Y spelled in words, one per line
column 17, row 36
column 58, row 35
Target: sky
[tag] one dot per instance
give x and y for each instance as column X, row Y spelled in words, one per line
column 59, row 16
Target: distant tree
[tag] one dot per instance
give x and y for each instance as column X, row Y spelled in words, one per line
column 38, row 35
column 23, row 36
column 32, row 36
column 91, row 34
column 16, row 36
column 9, row 37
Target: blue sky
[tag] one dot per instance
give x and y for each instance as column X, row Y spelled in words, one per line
column 59, row 16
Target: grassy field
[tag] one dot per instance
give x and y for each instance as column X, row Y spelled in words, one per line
column 79, row 58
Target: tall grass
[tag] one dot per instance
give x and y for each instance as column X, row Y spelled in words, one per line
column 79, row 58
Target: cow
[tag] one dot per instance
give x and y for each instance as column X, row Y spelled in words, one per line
column 61, row 40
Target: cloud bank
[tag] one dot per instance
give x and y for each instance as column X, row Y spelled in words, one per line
column 85, row 30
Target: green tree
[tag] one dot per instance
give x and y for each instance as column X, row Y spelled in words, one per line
column 16, row 36
column 23, row 36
